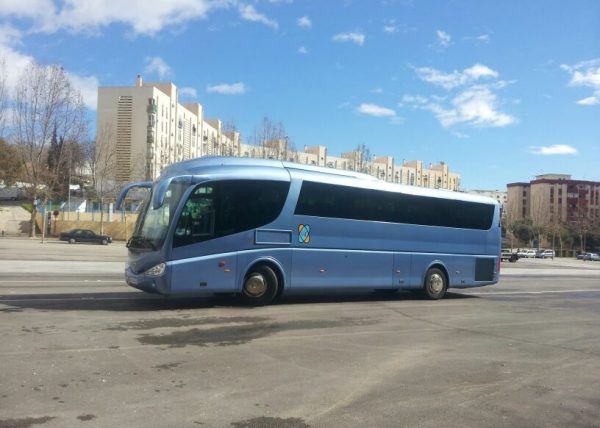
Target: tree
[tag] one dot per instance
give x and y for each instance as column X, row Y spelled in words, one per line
column 581, row 221
column 3, row 97
column 523, row 230
column 509, row 223
column 101, row 157
column 44, row 99
column 363, row 158
column 230, row 131
column 58, row 177
column 540, row 214
column 10, row 163
column 271, row 139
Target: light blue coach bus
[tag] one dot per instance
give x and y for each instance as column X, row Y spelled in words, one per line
column 261, row 228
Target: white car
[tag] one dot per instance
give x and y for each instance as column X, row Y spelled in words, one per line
column 546, row 254
column 529, row 254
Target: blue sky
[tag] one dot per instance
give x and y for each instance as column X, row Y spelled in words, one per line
column 501, row 90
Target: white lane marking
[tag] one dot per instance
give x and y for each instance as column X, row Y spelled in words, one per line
column 19, row 281
column 48, row 299
column 534, row 292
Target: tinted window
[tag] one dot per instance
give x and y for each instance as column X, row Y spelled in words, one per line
column 327, row 200
column 227, row 207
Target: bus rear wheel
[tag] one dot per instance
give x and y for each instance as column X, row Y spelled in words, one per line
column 435, row 284
column 260, row 286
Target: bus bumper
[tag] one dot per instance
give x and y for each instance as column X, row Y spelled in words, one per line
column 148, row 284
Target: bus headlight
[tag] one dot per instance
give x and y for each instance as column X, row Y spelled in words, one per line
column 157, row 270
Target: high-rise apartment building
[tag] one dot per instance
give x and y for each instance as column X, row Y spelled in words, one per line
column 151, row 129
column 554, row 197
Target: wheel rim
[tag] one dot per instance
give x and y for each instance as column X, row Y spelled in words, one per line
column 436, row 282
column 255, row 285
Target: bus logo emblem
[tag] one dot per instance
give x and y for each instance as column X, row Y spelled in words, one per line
column 304, row 233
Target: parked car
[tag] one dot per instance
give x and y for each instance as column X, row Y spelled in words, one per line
column 582, row 256
column 508, row 255
column 84, row 235
column 592, row 257
column 529, row 254
column 544, row 254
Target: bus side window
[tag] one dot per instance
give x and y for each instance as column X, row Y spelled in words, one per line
column 197, row 220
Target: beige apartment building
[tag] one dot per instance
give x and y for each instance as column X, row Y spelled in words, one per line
column 152, row 130
column 499, row 195
column 554, row 197
column 408, row 172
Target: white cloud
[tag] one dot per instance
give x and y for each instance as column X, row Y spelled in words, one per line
column 10, row 35
column 17, row 62
column 443, row 39
column 556, row 149
column 375, row 110
column 156, row 65
column 32, row 9
column 88, row 87
column 589, row 101
column 249, row 13
column 353, row 36
column 456, row 78
column 227, row 88
column 460, row 135
column 475, row 104
column 484, row 38
column 304, row 22
column 390, row 29
column 302, row 50
column 144, row 17
column 413, row 99
column 377, row 91
column 188, row 92
column 586, row 74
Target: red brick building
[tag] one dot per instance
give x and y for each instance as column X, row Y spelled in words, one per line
column 553, row 197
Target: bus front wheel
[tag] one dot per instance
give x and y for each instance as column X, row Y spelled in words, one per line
column 435, row 284
column 260, row 286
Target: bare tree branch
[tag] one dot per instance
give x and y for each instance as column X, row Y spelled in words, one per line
column 44, row 100
column 3, row 97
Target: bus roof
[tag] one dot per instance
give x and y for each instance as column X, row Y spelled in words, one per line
column 215, row 167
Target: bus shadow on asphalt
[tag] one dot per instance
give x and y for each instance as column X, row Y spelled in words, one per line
column 134, row 301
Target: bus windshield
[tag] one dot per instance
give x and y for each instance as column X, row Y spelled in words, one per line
column 152, row 224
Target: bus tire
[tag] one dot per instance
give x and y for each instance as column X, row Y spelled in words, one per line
column 435, row 285
column 260, row 286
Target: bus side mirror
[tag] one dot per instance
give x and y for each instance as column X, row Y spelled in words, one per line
column 158, row 197
column 127, row 188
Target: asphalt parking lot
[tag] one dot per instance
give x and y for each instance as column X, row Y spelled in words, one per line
column 80, row 348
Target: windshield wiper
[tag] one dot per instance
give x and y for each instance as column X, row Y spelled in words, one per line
column 138, row 241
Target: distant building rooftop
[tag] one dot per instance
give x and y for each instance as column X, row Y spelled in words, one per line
column 553, row 177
